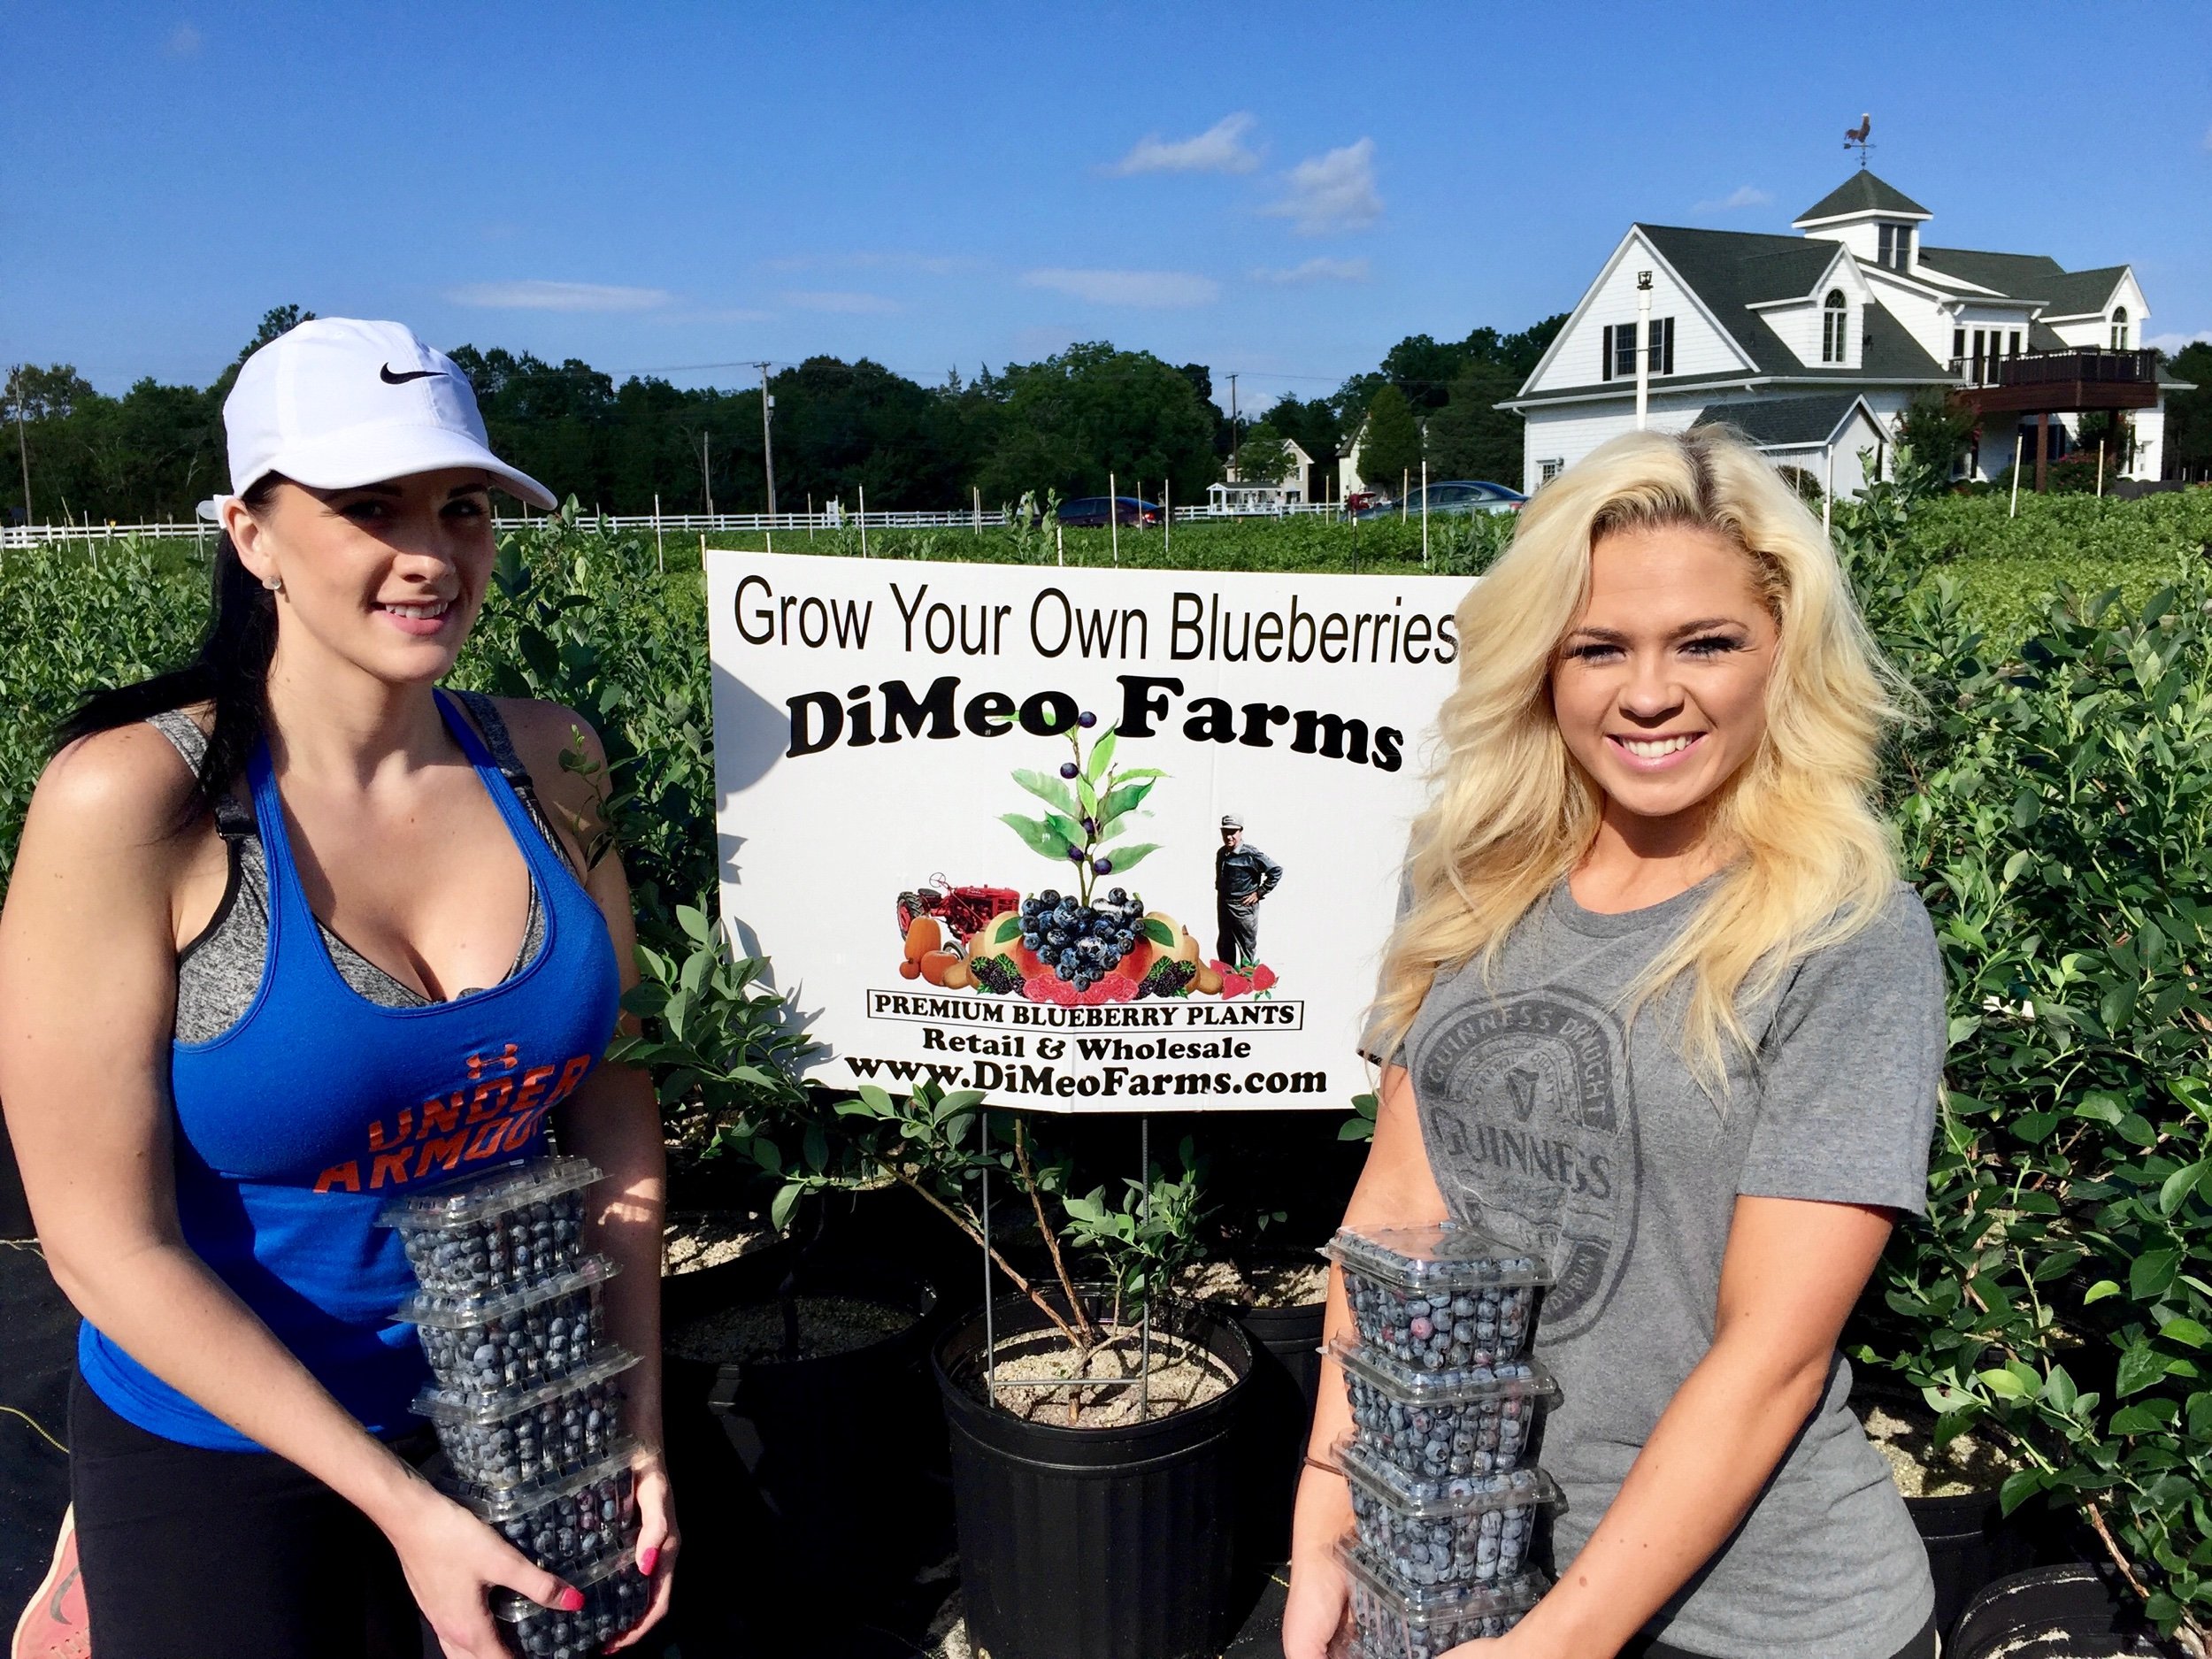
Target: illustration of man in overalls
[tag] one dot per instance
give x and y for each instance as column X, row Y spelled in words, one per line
column 1243, row 876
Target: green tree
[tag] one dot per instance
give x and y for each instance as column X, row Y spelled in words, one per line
column 1391, row 451
column 1071, row 419
column 1264, row 458
column 1932, row 436
column 1471, row 437
column 2189, row 414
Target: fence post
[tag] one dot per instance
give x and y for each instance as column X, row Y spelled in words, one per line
column 660, row 553
column 863, row 488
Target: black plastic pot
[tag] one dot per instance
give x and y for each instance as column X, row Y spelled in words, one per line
column 824, row 1477
column 1286, row 1381
column 1970, row 1544
column 1114, row 1543
column 2068, row 1612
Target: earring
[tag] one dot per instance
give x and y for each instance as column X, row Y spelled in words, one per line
column 274, row 584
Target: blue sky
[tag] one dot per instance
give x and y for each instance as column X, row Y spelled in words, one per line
column 1282, row 191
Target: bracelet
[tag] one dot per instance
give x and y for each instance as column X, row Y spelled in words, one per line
column 1311, row 1462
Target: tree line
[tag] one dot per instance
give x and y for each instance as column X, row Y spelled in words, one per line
column 1063, row 423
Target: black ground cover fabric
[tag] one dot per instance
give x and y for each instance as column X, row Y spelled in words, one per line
column 38, row 1333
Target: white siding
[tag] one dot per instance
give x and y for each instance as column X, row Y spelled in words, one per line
column 1568, row 435
column 1699, row 347
column 2150, row 441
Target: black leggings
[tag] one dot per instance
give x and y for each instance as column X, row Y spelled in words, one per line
column 191, row 1553
column 1921, row 1646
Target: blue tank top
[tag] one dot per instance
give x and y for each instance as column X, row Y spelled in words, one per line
column 294, row 1127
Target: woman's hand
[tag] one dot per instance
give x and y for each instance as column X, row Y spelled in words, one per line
column 449, row 1558
column 658, row 1539
column 1313, row 1611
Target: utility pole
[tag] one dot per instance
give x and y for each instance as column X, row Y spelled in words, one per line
column 22, row 448
column 767, row 450
column 706, row 478
column 1232, row 429
column 1643, row 347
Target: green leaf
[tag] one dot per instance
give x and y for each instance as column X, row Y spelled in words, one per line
column 2015, row 865
column 1102, row 757
column 2019, row 1488
column 2178, row 1186
column 1067, row 829
column 2003, row 1384
column 694, row 921
column 1119, row 803
column 1008, row 930
column 2099, row 1291
column 2186, row 1331
column 779, row 1211
column 2144, row 1416
column 1054, row 792
column 2117, row 1005
column 2151, row 1272
column 816, row 1149
column 1159, row 933
column 2140, row 1366
column 1126, row 858
column 1036, row 836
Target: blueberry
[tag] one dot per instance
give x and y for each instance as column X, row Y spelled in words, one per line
column 1068, row 768
column 1087, row 719
column 1076, row 853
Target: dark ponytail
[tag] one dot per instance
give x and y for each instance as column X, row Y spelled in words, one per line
column 230, row 669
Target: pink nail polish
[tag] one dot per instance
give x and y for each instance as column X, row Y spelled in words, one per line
column 648, row 1559
column 571, row 1601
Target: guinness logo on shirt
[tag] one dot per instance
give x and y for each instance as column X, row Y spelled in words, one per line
column 1524, row 1103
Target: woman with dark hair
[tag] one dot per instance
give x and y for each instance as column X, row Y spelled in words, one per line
column 265, row 907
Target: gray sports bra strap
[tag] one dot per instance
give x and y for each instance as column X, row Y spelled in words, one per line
column 234, row 818
column 497, row 742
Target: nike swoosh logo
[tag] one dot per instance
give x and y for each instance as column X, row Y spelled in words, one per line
column 390, row 379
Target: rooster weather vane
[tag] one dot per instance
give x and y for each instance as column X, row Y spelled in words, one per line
column 1855, row 137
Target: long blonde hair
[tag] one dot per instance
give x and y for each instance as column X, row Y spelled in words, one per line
column 1511, row 812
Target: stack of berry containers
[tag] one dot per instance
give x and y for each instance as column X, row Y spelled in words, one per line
column 1444, row 1410
column 528, row 1397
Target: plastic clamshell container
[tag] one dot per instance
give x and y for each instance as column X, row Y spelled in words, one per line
column 1465, row 1529
column 1437, row 1295
column 494, row 1232
column 1434, row 1425
column 1391, row 1620
column 570, row 1524
column 524, row 1436
column 480, row 1350
column 616, row 1595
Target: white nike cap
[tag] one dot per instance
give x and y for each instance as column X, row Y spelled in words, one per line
column 336, row 402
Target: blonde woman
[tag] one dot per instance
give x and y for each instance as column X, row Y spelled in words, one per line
column 1657, row 994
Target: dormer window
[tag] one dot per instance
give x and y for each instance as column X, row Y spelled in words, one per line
column 2120, row 328
column 1835, row 328
column 1895, row 249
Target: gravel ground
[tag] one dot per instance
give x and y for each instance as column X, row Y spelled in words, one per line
column 754, row 1333
column 1183, row 1375
column 1273, row 1285
column 1907, row 1444
column 695, row 1239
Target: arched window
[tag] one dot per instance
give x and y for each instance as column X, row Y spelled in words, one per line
column 2120, row 328
column 1834, row 327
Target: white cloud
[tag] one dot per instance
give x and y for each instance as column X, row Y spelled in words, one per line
column 844, row 303
column 2171, row 344
column 183, row 41
column 1332, row 192
column 1154, row 290
column 928, row 264
column 535, row 296
column 1219, row 148
column 1316, row 271
column 1742, row 196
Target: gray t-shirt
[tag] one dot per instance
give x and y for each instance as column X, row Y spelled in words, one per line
column 1546, row 1113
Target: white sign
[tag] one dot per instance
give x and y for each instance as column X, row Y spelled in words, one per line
column 973, row 815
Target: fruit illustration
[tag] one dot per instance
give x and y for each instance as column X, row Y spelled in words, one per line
column 910, row 970
column 1205, row 981
column 935, row 963
column 1183, row 948
column 923, row 934
column 956, row 976
column 1001, row 939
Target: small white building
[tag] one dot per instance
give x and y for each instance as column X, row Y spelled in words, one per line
column 1257, row 496
column 1814, row 344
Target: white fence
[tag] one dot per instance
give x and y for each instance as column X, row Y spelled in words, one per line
column 672, row 524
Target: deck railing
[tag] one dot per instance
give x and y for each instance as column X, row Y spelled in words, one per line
column 2045, row 368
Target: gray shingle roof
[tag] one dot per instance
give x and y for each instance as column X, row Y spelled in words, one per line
column 2020, row 276
column 1862, row 193
column 1733, row 270
column 1785, row 422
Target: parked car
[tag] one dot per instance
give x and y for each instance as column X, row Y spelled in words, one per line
column 1088, row 513
column 1456, row 497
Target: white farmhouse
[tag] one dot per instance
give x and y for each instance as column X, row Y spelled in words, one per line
column 1814, row 344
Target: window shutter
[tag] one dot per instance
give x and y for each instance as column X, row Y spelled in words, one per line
column 1667, row 367
column 1605, row 364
